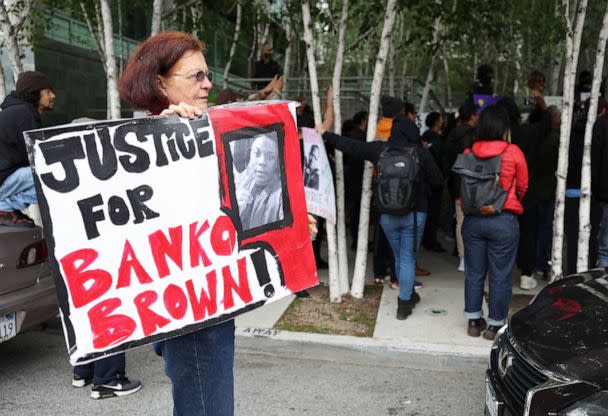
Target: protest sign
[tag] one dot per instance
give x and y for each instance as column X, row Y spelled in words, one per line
column 318, row 178
column 161, row 226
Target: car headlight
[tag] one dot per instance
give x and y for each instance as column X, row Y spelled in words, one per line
column 593, row 405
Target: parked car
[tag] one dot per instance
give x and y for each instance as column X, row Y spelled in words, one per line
column 552, row 357
column 27, row 290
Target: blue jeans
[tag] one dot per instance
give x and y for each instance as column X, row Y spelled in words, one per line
column 103, row 371
column 602, row 252
column 200, row 366
column 17, row 191
column 399, row 232
column 490, row 247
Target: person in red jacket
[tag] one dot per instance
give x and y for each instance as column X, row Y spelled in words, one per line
column 491, row 241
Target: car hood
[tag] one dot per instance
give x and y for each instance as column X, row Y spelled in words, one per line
column 565, row 329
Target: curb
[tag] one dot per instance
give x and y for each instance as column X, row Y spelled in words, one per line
column 355, row 350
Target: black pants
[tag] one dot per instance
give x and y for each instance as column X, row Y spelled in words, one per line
column 103, row 371
column 571, row 228
column 383, row 254
column 526, row 254
column 433, row 219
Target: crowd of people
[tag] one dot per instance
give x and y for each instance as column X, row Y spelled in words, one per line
column 524, row 149
column 168, row 75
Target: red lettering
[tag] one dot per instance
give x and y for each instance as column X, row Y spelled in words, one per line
column 161, row 249
column 150, row 320
column 85, row 285
column 109, row 329
column 130, row 262
column 197, row 253
column 175, row 301
column 242, row 289
column 206, row 304
column 223, row 236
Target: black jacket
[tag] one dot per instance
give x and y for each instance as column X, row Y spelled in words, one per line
column 402, row 134
column 599, row 159
column 575, row 154
column 16, row 117
column 458, row 140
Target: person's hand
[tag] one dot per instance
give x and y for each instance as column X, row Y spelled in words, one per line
column 330, row 94
column 277, row 83
column 183, row 110
column 312, row 226
column 320, row 128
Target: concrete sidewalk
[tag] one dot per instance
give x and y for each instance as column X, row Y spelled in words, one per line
column 437, row 325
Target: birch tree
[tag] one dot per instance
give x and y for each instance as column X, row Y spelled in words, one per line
column 429, row 77
column 2, row 84
column 157, row 12
column 362, row 240
column 334, row 283
column 584, row 232
column 235, row 40
column 103, row 36
column 573, row 42
column 12, row 22
column 342, row 247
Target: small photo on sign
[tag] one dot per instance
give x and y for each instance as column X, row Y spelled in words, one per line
column 311, row 168
column 258, row 178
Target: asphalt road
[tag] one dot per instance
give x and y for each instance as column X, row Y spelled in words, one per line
column 270, row 380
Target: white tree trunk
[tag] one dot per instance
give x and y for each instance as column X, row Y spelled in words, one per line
column 556, row 63
column 391, row 70
column 10, row 26
column 235, row 40
column 573, row 43
column 157, row 12
column 427, row 85
column 584, row 232
column 2, row 84
column 342, row 246
column 110, row 63
column 362, row 240
column 332, row 257
column 288, row 56
column 448, row 87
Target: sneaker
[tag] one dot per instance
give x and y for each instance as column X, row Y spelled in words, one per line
column 16, row 219
column 417, row 284
column 379, row 280
column 404, row 308
column 476, row 326
column 116, row 388
column 490, row 333
column 79, row 382
column 527, row 282
column 461, row 266
column 394, row 285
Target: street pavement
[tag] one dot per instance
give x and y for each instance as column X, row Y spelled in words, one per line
column 273, row 377
column 425, row 365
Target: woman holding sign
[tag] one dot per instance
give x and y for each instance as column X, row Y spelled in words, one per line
column 168, row 75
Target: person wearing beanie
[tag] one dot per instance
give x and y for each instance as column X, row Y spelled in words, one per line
column 391, row 107
column 21, row 112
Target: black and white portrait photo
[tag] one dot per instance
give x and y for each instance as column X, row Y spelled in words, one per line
column 257, row 178
column 311, row 169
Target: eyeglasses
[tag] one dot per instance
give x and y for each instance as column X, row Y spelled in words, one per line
column 200, row 76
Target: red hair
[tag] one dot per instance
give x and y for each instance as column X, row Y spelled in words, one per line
column 155, row 56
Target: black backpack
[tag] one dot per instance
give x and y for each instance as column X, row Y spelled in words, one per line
column 480, row 187
column 397, row 173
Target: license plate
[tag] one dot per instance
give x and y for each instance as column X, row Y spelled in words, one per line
column 491, row 402
column 8, row 327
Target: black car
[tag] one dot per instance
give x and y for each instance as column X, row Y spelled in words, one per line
column 552, row 357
